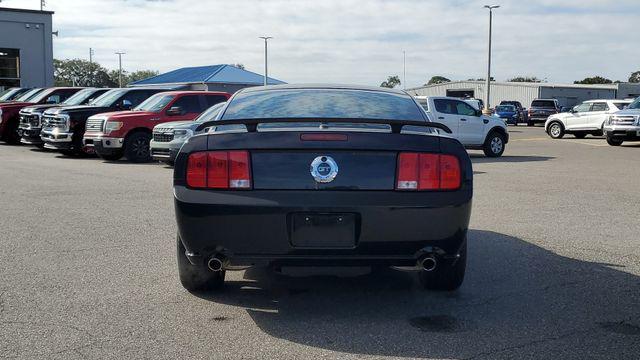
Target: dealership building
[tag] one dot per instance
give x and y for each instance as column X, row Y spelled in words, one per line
column 26, row 49
column 525, row 93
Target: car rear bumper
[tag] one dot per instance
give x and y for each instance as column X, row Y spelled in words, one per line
column 257, row 227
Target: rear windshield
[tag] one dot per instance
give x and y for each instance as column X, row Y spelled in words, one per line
column 543, row 103
column 322, row 104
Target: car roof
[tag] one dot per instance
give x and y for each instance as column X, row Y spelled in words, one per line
column 322, row 87
column 194, row 92
column 609, row 100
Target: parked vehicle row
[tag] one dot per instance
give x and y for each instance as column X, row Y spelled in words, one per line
column 109, row 122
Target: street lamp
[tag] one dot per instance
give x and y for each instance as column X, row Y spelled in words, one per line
column 120, row 71
column 488, row 82
column 265, row 38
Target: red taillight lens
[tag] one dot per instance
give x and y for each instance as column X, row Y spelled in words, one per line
column 239, row 170
column 219, row 170
column 197, row 170
column 450, row 176
column 422, row 171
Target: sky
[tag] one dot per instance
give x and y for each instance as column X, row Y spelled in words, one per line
column 355, row 41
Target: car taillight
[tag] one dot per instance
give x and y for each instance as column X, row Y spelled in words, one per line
column 219, row 170
column 423, row 171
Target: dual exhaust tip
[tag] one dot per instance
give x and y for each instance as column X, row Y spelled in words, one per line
column 428, row 263
column 216, row 263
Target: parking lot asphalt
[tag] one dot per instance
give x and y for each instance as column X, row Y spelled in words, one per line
column 88, row 269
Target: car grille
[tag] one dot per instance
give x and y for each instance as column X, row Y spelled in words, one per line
column 623, row 120
column 51, row 121
column 29, row 121
column 162, row 136
column 95, row 124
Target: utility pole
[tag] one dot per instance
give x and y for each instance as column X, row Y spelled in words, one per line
column 404, row 69
column 266, row 68
column 120, row 71
column 488, row 82
column 42, row 4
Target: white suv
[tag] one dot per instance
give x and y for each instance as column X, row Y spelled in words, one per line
column 586, row 118
column 467, row 123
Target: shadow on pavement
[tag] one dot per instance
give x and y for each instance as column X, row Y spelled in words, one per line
column 518, row 300
column 480, row 158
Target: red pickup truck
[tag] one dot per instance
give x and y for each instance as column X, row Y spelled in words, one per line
column 128, row 133
column 10, row 111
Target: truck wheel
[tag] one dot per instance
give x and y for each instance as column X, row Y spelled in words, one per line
column 196, row 277
column 530, row 123
column 580, row 135
column 448, row 276
column 136, row 147
column 111, row 157
column 613, row 142
column 494, row 144
column 556, row 130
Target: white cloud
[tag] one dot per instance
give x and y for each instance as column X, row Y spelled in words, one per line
column 356, row 41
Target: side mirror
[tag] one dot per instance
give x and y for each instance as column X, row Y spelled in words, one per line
column 478, row 113
column 174, row 110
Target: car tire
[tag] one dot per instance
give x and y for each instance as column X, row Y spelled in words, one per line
column 556, row 130
column 613, row 142
column 494, row 144
column 196, row 277
column 448, row 276
column 111, row 157
column 136, row 147
column 580, row 135
column 530, row 123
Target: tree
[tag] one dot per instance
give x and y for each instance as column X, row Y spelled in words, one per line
column 392, row 81
column 532, row 79
column 438, row 80
column 128, row 77
column 635, row 77
column 594, row 80
column 79, row 72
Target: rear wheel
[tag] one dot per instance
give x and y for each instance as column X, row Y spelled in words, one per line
column 494, row 144
column 613, row 142
column 196, row 277
column 556, row 130
column 448, row 276
column 136, row 147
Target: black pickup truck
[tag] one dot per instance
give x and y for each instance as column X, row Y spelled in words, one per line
column 322, row 176
column 64, row 127
column 31, row 116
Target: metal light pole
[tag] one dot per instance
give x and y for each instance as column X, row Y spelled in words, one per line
column 266, row 68
column 404, row 69
column 488, row 82
column 120, row 71
column 91, row 55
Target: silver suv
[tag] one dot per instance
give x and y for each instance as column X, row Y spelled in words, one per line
column 168, row 137
column 624, row 125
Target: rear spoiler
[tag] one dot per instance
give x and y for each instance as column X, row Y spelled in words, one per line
column 396, row 125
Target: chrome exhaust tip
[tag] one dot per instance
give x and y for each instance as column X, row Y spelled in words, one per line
column 215, row 264
column 428, row 263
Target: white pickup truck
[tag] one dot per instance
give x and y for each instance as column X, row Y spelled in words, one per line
column 467, row 123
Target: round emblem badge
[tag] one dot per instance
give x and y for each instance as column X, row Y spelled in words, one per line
column 324, row 169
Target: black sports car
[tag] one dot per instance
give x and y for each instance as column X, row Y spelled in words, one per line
column 322, row 175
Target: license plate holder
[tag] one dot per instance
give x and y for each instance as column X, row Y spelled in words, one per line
column 323, row 230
